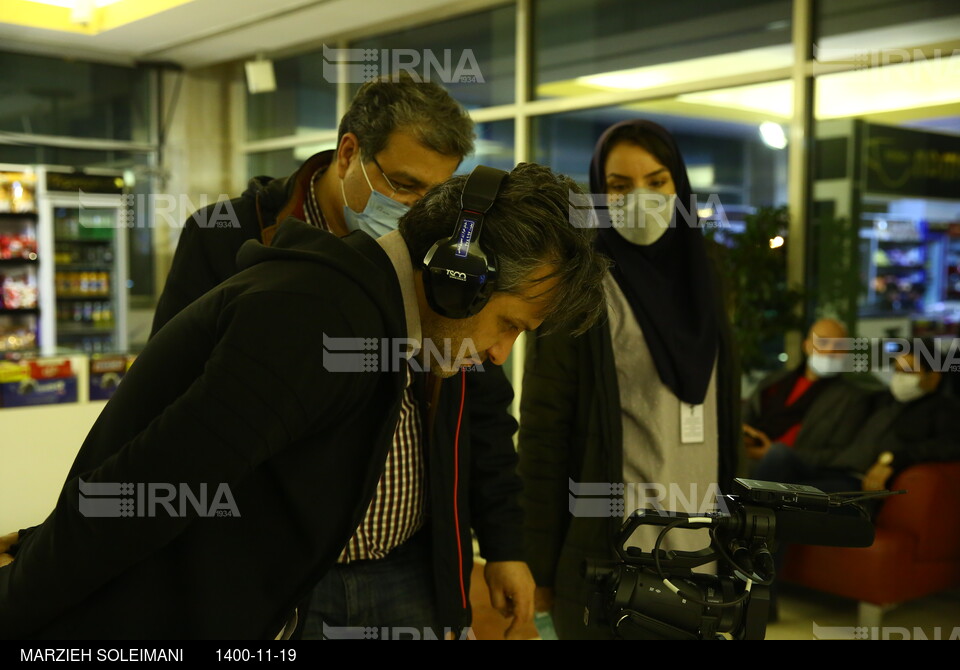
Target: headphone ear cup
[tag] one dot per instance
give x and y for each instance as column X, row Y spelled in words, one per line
column 459, row 276
column 457, row 287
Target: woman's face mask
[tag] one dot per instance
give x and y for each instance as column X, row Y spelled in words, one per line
column 641, row 193
column 643, row 216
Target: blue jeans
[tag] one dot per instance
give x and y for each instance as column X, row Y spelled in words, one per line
column 781, row 464
column 394, row 595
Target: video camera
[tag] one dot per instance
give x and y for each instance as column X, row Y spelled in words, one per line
column 657, row 595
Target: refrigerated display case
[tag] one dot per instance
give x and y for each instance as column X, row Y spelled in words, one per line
column 87, row 312
column 900, row 190
column 953, row 262
column 895, row 262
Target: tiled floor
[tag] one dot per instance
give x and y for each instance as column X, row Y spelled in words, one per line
column 809, row 615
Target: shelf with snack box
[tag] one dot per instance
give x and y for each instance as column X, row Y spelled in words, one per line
column 19, row 262
column 106, row 373
column 41, row 381
column 33, row 380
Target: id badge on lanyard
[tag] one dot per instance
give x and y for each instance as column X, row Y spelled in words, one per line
column 691, row 423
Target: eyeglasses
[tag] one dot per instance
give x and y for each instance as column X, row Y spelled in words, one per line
column 403, row 191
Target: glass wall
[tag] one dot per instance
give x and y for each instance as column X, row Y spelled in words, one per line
column 51, row 96
column 583, row 48
column 727, row 161
column 718, row 76
column 283, row 162
column 494, row 147
column 474, row 56
column 303, row 102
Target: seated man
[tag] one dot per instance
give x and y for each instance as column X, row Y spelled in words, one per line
column 815, row 391
column 913, row 422
column 862, row 443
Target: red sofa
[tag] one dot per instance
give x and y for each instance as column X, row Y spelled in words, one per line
column 916, row 551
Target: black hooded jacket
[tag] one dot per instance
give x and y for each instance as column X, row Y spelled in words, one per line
column 234, row 390
column 206, row 255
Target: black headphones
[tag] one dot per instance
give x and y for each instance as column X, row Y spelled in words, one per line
column 459, row 277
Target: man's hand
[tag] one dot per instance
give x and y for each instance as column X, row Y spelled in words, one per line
column 876, row 477
column 756, row 442
column 511, row 593
column 7, row 541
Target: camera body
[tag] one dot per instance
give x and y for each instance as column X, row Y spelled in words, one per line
column 657, row 594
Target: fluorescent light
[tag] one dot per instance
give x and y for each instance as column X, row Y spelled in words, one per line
column 772, row 135
column 70, row 4
column 628, row 79
column 922, row 83
column 692, row 69
column 771, row 99
column 700, row 176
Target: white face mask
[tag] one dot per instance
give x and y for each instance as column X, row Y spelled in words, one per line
column 644, row 216
column 823, row 365
column 905, row 386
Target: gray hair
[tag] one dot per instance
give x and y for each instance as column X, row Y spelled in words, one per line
column 423, row 108
column 530, row 226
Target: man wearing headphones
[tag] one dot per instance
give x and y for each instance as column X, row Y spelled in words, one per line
column 233, row 396
column 398, row 139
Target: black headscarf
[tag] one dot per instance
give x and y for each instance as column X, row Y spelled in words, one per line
column 668, row 283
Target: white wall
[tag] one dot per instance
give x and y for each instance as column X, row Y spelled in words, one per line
column 37, row 448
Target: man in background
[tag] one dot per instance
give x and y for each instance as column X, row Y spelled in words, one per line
column 912, row 422
column 815, row 393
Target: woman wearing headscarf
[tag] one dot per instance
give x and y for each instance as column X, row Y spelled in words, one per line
column 649, row 398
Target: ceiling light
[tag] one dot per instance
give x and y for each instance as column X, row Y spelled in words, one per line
column 772, row 135
column 72, row 4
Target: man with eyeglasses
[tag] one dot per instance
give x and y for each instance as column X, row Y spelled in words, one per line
column 398, row 139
